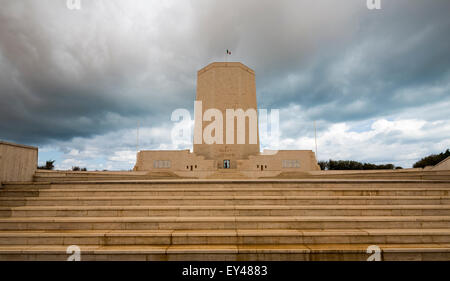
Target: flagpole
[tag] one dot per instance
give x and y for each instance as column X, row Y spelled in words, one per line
column 315, row 138
column 137, row 137
column 228, row 53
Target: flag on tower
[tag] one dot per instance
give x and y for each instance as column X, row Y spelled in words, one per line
column 228, row 52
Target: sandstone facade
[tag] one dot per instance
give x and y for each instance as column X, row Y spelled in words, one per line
column 225, row 89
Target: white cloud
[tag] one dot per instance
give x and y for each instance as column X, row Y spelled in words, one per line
column 87, row 76
column 398, row 141
column 385, row 141
column 114, row 150
column 125, row 156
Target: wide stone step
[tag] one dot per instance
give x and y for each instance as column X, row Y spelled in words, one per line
column 283, row 252
column 390, row 177
column 189, row 184
column 99, row 178
column 234, row 237
column 91, row 192
column 224, row 200
column 216, row 184
column 368, row 175
column 250, row 222
column 96, row 176
column 230, row 210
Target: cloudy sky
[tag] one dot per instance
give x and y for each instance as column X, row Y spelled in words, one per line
column 76, row 83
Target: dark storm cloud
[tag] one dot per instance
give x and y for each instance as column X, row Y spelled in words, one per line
column 68, row 74
column 398, row 58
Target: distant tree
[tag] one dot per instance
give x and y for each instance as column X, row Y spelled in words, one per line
column 398, row 168
column 353, row 165
column 76, row 168
column 344, row 165
column 48, row 165
column 432, row 159
column 323, row 165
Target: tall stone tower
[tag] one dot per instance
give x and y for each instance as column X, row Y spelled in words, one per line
column 226, row 133
column 224, row 86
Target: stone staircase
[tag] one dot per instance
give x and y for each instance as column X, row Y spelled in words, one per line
column 228, row 219
column 227, row 174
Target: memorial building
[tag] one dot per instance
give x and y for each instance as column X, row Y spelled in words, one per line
column 226, row 135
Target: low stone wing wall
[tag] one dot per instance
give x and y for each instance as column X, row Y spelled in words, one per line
column 17, row 162
column 444, row 165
